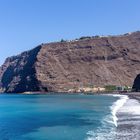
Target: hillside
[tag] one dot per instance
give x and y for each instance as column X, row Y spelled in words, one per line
column 61, row 66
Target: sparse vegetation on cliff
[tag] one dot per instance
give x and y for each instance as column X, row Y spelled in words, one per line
column 58, row 67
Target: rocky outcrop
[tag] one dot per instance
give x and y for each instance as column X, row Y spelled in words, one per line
column 18, row 74
column 136, row 85
column 61, row 66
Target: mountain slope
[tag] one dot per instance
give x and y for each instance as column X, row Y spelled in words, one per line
column 60, row 66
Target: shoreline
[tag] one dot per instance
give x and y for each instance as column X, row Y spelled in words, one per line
column 76, row 93
column 132, row 95
column 119, row 118
column 128, row 118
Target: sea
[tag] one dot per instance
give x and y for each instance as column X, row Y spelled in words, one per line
column 69, row 117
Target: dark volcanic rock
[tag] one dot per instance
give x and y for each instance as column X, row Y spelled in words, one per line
column 60, row 66
column 136, row 85
column 18, row 72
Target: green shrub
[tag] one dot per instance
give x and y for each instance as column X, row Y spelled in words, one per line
column 110, row 88
column 62, row 40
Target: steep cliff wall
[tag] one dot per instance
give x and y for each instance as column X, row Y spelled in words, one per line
column 113, row 60
column 17, row 74
column 136, row 85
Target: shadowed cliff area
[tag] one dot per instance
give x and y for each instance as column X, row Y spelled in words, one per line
column 18, row 72
column 136, row 85
column 66, row 65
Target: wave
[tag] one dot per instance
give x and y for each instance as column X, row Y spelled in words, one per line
column 129, row 120
column 109, row 123
column 125, row 120
column 131, row 107
column 117, row 105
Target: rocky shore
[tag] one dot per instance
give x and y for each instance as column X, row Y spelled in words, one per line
column 129, row 118
column 134, row 95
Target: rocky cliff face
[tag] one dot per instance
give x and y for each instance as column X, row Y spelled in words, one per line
column 136, row 85
column 58, row 67
column 18, row 73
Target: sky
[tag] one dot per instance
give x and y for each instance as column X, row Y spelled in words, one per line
column 24, row 24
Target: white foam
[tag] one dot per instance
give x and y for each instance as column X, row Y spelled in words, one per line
column 123, row 105
column 101, row 134
column 117, row 105
column 132, row 106
column 107, row 131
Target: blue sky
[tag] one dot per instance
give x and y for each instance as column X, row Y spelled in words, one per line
column 26, row 23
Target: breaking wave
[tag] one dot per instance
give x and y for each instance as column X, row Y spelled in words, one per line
column 109, row 123
column 117, row 105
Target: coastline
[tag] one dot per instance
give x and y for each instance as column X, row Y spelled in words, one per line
column 129, row 118
column 120, row 118
column 134, row 95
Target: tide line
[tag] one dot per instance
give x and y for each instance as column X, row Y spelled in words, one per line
column 117, row 105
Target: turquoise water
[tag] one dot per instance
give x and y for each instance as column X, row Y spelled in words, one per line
column 54, row 117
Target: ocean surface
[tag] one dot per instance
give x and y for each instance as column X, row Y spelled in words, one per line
column 69, row 117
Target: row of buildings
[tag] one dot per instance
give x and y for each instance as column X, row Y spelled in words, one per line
column 109, row 88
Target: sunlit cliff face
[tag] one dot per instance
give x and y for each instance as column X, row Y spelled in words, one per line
column 70, row 65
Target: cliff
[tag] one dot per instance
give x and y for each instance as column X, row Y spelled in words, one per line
column 18, row 73
column 136, row 85
column 61, row 66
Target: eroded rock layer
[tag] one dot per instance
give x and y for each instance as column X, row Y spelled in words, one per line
column 61, row 66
